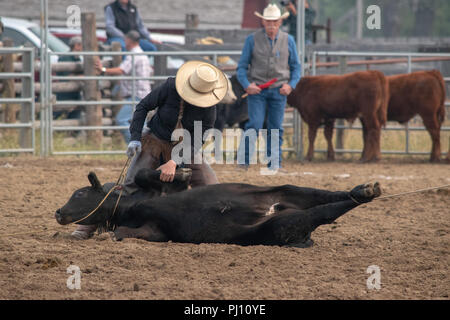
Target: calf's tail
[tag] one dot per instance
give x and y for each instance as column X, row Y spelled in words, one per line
column 382, row 110
column 440, row 80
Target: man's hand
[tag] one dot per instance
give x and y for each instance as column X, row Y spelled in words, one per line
column 285, row 89
column 98, row 66
column 154, row 41
column 253, row 89
column 167, row 171
column 134, row 147
column 291, row 7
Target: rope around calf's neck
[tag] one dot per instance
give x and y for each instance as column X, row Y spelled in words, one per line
column 120, row 180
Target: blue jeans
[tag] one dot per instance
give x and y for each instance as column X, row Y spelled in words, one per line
column 124, row 117
column 143, row 43
column 275, row 103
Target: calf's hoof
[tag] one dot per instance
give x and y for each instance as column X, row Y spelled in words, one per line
column 366, row 192
column 114, row 236
column 369, row 160
column 306, row 244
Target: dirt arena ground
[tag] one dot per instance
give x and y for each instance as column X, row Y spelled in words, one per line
column 407, row 237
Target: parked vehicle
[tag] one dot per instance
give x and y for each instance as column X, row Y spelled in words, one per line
column 26, row 33
column 64, row 34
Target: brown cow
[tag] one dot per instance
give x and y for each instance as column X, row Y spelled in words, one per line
column 322, row 99
column 420, row 93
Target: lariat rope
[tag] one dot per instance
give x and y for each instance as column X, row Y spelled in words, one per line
column 401, row 194
column 412, row 192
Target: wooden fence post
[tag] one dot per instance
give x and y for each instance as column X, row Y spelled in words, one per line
column 115, row 47
column 340, row 122
column 91, row 92
column 329, row 30
column 192, row 21
column 160, row 67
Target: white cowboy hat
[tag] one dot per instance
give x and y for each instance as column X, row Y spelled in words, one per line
column 201, row 84
column 272, row 12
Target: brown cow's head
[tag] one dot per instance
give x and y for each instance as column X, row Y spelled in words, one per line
column 293, row 98
column 82, row 202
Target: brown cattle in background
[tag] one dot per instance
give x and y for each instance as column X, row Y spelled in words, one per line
column 421, row 93
column 322, row 99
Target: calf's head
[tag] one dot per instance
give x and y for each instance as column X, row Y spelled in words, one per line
column 81, row 203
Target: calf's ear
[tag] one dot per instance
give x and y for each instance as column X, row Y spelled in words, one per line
column 94, row 180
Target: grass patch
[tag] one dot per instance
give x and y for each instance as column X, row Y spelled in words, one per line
column 420, row 141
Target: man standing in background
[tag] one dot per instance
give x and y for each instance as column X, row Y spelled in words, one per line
column 121, row 16
column 268, row 53
column 142, row 68
column 291, row 21
column 76, row 45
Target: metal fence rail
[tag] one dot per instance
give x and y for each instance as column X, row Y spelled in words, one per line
column 342, row 55
column 27, row 117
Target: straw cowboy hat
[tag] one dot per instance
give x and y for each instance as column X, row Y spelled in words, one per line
column 201, row 84
column 272, row 12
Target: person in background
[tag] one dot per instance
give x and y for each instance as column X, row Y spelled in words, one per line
column 268, row 53
column 75, row 46
column 142, row 68
column 291, row 21
column 121, row 16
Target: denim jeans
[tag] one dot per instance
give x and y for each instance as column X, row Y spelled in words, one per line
column 124, row 117
column 274, row 103
column 143, row 43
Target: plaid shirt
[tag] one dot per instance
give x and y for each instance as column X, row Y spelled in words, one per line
column 142, row 69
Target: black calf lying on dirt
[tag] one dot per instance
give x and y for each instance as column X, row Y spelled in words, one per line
column 223, row 213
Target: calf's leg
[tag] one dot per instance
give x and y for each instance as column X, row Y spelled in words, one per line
column 328, row 132
column 434, row 129
column 149, row 179
column 293, row 227
column 289, row 196
column 146, row 232
column 326, row 214
column 312, row 132
column 372, row 139
column 364, row 130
